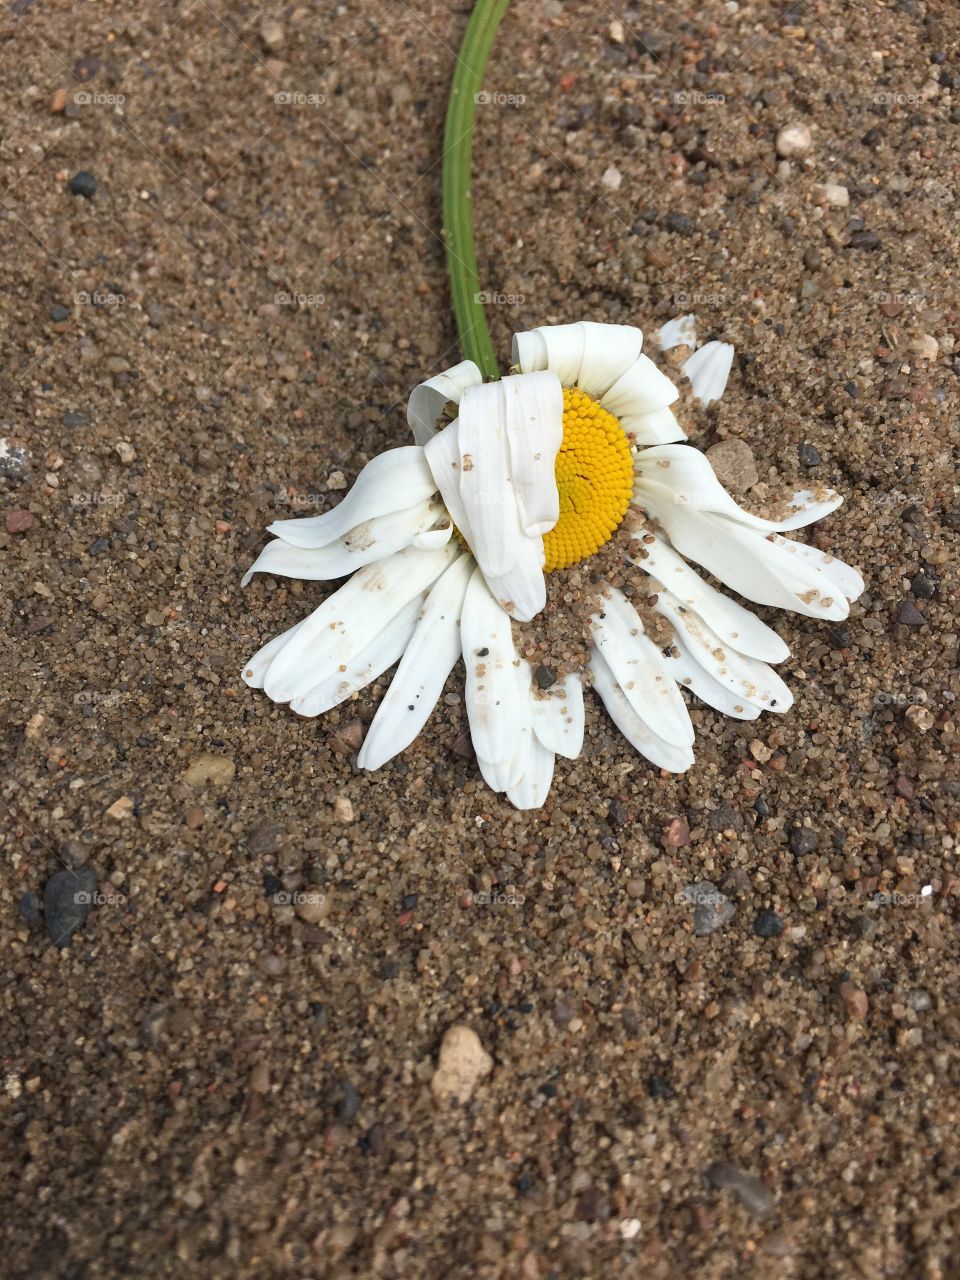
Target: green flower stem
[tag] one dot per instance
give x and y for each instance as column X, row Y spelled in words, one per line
column 457, row 157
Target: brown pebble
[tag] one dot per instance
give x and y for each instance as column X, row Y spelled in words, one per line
column 194, row 819
column 677, row 835
column 855, row 1000
column 19, row 521
column 58, row 102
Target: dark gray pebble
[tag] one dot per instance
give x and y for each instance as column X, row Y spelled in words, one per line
column 910, row 615
column 29, row 907
column 767, row 925
column 67, row 900
column 802, row 840
column 83, row 184
column 809, row 456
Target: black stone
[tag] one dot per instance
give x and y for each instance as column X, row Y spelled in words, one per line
column 59, row 313
column 678, row 223
column 29, row 907
column 83, row 184
column 544, row 677
column 922, row 587
column 910, row 615
column 410, row 901
column 840, row 637
column 864, row 240
column 802, row 840
column 272, row 886
column 767, row 925
column 67, row 900
column 809, row 456
column 660, row 1088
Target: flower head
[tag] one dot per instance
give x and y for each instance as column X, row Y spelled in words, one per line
column 572, row 468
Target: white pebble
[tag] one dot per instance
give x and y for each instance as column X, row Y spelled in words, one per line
column 794, row 140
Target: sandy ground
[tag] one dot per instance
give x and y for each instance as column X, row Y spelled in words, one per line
column 216, row 1078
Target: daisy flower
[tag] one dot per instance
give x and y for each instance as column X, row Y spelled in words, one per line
column 571, row 472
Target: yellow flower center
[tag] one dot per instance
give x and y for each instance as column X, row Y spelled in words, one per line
column 594, row 472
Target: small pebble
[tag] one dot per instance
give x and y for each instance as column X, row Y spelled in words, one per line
column 18, row 521
column 910, row 615
column 711, row 910
column 612, row 178
column 68, row 898
column 753, row 1194
column 734, row 464
column 864, row 240
column 272, row 34
column 343, row 809
column 461, row 1065
column 676, row 835
column 83, row 184
column 855, row 1000
column 922, row 587
column 28, row 906
column 767, row 925
column 809, row 456
column 803, row 840
column 794, row 140
column 833, row 194
column 678, row 224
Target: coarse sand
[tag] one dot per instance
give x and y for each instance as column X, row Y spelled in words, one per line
column 702, row 1026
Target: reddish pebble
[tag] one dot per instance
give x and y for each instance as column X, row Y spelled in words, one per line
column 19, row 521
column 904, row 787
column 676, row 835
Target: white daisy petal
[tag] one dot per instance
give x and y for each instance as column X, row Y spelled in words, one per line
column 692, row 482
column 391, row 481
column 745, row 677
column 428, row 401
column 443, row 458
column 522, row 590
column 640, row 669
column 533, row 787
column 641, row 389
column 427, row 661
column 689, row 674
column 664, row 755
column 486, row 485
column 659, row 426
column 498, row 777
column 373, row 540
column 349, row 619
column 432, row 539
column 734, row 624
column 708, row 370
column 495, row 708
column 534, row 422
column 558, row 717
column 557, row 347
column 609, row 350
column 370, row 663
column 681, row 332
column 255, row 672
column 847, row 580
column 739, row 557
